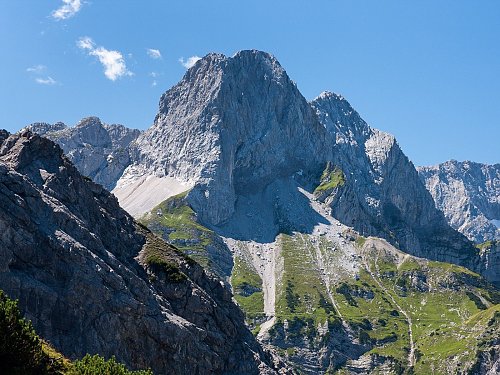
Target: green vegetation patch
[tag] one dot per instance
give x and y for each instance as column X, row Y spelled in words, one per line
column 331, row 178
column 360, row 241
column 444, row 304
column 376, row 320
column 175, row 221
column 21, row 350
column 486, row 245
column 301, row 293
column 160, row 256
column 247, row 287
column 97, row 365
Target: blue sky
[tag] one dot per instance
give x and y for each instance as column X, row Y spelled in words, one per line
column 426, row 71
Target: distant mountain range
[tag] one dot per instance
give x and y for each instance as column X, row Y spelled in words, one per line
column 333, row 247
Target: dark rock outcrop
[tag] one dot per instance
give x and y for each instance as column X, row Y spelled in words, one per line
column 92, row 281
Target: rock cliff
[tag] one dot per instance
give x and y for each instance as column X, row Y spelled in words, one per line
column 99, row 151
column 382, row 194
column 92, row 281
column 468, row 193
column 231, row 126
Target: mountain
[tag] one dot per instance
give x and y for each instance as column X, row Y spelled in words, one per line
column 100, row 151
column 468, row 193
column 382, row 195
column 332, row 245
column 237, row 134
column 94, row 281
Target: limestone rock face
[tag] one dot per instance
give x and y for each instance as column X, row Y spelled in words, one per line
column 98, row 150
column 231, row 126
column 468, row 193
column 92, row 281
column 382, row 194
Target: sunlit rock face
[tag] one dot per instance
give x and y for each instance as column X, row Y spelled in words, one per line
column 468, row 193
column 100, row 151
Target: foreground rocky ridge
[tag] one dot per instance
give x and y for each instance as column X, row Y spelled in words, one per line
column 468, row 193
column 92, row 281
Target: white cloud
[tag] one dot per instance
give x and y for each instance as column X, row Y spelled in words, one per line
column 68, row 9
column 154, row 53
column 113, row 61
column 46, row 81
column 85, row 43
column 154, row 83
column 188, row 63
column 36, row 69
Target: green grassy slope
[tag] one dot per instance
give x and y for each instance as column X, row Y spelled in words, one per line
column 175, row 221
column 453, row 311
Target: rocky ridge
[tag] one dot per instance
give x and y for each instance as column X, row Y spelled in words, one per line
column 92, row 281
column 468, row 194
column 382, row 195
column 100, row 151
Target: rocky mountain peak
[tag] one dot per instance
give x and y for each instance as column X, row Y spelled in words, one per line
column 92, row 132
column 468, row 193
column 43, row 127
column 4, row 134
column 27, row 151
column 231, row 124
column 100, row 151
column 339, row 117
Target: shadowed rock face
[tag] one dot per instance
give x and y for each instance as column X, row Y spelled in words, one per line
column 99, row 151
column 90, row 280
column 468, row 193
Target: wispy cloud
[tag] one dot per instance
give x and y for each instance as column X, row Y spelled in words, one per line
column 36, row 69
column 154, row 83
column 67, row 9
column 38, row 72
column 85, row 42
column 113, row 61
column 189, row 62
column 154, row 53
column 46, row 81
